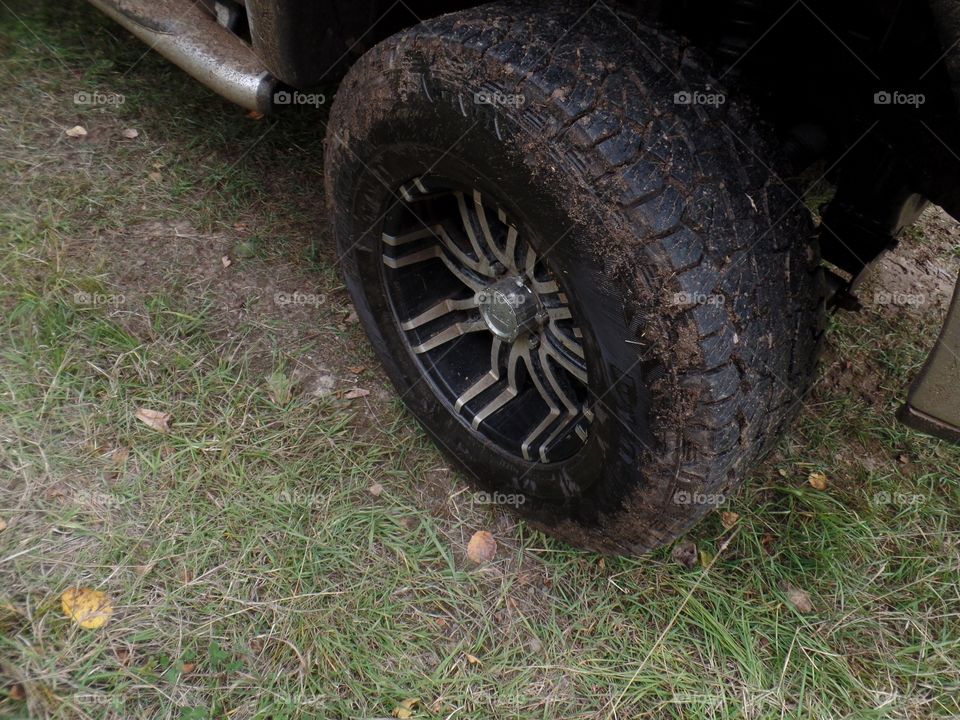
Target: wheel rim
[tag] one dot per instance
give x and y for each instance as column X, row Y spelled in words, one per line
column 485, row 320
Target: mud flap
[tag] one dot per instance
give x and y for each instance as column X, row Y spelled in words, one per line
column 933, row 405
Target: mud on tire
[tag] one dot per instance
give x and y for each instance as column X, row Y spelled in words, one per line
column 689, row 265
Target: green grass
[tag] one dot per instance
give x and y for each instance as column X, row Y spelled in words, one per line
column 252, row 572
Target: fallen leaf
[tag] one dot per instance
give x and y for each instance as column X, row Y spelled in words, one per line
column 17, row 692
column 405, row 708
column 686, row 554
column 3, row 524
column 781, row 472
column 120, row 455
column 473, row 659
column 77, row 131
column 356, row 393
column 768, row 541
column 729, row 519
column 706, row 558
column 482, row 547
column 159, row 421
column 131, row 133
column 124, row 655
column 188, row 667
column 89, row 608
column 356, row 369
column 226, row 261
column 818, row 481
column 56, row 492
column 798, row 598
column 903, row 459
column 351, row 318
column 376, row 489
column 155, row 176
column 255, row 115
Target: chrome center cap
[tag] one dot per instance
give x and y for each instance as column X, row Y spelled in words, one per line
column 509, row 308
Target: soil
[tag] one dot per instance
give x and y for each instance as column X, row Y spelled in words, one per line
column 265, row 306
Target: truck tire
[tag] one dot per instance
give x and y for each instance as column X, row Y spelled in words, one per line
column 569, row 251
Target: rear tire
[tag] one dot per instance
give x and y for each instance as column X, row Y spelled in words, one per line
column 689, row 270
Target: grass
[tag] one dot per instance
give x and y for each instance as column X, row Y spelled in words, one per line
column 252, row 571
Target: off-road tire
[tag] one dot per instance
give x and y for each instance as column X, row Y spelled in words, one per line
column 691, row 266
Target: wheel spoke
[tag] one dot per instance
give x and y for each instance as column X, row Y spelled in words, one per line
column 508, row 394
column 553, row 411
column 503, row 255
column 483, row 264
column 566, row 363
column 555, row 333
column 439, row 232
column 486, row 381
column 442, row 308
column 430, row 253
column 450, row 333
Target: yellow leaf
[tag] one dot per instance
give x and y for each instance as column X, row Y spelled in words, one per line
column 473, row 659
column 159, row 421
column 482, row 547
column 405, row 708
column 818, row 481
column 705, row 558
column 798, row 598
column 89, row 608
column 729, row 519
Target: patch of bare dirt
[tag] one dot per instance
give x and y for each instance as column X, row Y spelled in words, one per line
column 909, row 288
column 267, row 306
